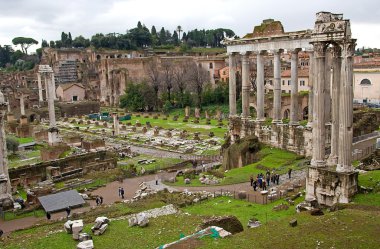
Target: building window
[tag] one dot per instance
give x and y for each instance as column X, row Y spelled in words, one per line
column 302, row 83
column 283, row 91
column 289, row 82
column 210, row 66
column 75, row 98
column 283, row 82
column 365, row 82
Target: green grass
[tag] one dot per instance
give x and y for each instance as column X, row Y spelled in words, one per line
column 9, row 215
column 271, row 158
column 370, row 179
column 24, row 158
column 24, row 140
column 160, row 163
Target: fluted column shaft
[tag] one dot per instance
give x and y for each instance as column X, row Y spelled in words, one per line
column 319, row 130
column 232, row 84
column 345, row 109
column 335, row 102
column 294, row 120
column 245, row 85
column 50, row 90
column 260, row 87
column 40, row 96
column 53, row 86
column 277, row 88
column 22, row 104
column 311, row 94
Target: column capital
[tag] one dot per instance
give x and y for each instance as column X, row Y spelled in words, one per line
column 296, row 51
column 348, row 48
column 319, row 49
column 278, row 51
column 245, row 53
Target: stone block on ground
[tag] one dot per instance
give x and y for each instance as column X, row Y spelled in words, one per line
column 293, row 223
column 187, row 181
column 88, row 244
column 101, row 230
column 142, row 220
column 84, row 237
column 77, row 227
column 68, row 226
column 228, row 223
column 253, row 223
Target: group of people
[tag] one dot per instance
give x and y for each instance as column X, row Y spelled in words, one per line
column 262, row 182
column 99, row 200
column 121, row 192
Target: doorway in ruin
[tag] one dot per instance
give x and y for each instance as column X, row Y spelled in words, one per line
column 286, row 114
column 305, row 113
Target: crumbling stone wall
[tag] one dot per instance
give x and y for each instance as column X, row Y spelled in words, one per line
column 78, row 109
column 34, row 173
column 366, row 121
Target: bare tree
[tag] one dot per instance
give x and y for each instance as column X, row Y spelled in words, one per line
column 199, row 77
column 181, row 78
column 167, row 76
column 155, row 80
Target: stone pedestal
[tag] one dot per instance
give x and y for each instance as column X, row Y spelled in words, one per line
column 330, row 187
column 53, row 136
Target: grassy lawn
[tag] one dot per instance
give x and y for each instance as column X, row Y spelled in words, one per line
column 370, row 179
column 271, row 158
column 24, row 140
column 23, row 158
column 160, row 163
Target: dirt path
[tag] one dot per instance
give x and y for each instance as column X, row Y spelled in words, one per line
column 131, row 185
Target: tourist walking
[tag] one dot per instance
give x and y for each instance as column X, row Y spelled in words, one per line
column 97, row 200
column 122, row 193
column 254, row 185
column 290, row 173
column 277, row 178
column 101, row 200
column 251, row 179
column 68, row 211
column 260, row 182
column 119, row 191
column 268, row 180
column 1, row 233
column 264, row 185
column 48, row 215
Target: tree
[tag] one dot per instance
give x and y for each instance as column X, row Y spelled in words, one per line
column 198, row 78
column 6, row 53
column 12, row 144
column 81, row 42
column 162, row 36
column 167, row 77
column 179, row 30
column 52, row 44
column 44, row 44
column 155, row 80
column 24, row 42
column 175, row 38
column 180, row 79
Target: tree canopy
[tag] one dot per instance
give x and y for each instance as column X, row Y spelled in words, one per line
column 24, row 42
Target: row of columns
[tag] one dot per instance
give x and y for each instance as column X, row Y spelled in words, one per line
column 246, row 86
column 341, row 108
column 40, row 89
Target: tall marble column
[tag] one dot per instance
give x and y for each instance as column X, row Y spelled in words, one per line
column 22, row 105
column 246, row 86
column 6, row 200
column 346, row 109
column 294, row 110
column 277, row 87
column 40, row 96
column 232, row 84
column 319, row 130
column 311, row 94
column 260, row 86
column 46, row 88
column 53, row 86
column 335, row 102
column 116, row 124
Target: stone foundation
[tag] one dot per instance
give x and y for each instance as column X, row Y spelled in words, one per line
column 330, row 187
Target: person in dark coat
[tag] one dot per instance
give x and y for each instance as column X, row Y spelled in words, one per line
column 122, row 193
column 290, row 173
column 251, row 180
column 254, row 185
column 68, row 211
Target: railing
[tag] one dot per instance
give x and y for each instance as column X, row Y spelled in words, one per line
column 366, row 136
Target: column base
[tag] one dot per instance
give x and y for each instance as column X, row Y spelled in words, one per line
column 332, row 160
column 53, row 136
column 318, row 163
column 276, row 121
column 309, row 125
column 344, row 168
column 329, row 186
column 294, row 123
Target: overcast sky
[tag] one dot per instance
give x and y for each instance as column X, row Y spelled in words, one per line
column 46, row 19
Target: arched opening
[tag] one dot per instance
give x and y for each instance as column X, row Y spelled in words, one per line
column 305, row 113
column 32, row 117
column 98, row 57
column 119, row 56
column 286, row 114
column 365, row 82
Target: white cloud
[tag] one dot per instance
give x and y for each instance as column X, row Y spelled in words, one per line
column 46, row 19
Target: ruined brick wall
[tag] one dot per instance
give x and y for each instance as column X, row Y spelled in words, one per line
column 78, row 109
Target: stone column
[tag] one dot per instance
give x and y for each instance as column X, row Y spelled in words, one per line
column 311, row 83
column 260, row 86
column 46, row 88
column 53, row 86
column 6, row 200
column 346, row 109
column 277, row 87
column 232, row 84
column 294, row 120
column 246, row 87
column 40, row 97
column 22, row 105
column 319, row 130
column 335, row 86
column 116, row 124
